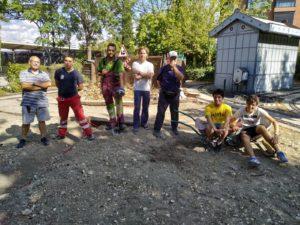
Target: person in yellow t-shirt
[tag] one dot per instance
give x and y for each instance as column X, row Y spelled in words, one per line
column 218, row 115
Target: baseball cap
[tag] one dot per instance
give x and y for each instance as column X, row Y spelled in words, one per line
column 173, row 54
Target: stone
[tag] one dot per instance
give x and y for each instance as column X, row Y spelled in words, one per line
column 26, row 212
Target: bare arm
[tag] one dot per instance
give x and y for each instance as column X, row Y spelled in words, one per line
column 30, row 87
column 178, row 74
column 43, row 85
column 210, row 122
column 274, row 123
column 80, row 87
column 56, row 83
column 227, row 122
column 158, row 83
column 147, row 75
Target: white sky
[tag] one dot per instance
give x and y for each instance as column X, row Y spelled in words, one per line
column 19, row 32
column 23, row 31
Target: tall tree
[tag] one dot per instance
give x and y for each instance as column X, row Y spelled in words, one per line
column 151, row 6
column 122, row 28
column 91, row 18
column 151, row 32
column 48, row 17
column 184, row 26
column 259, row 8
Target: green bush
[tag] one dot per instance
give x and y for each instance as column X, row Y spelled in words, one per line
column 200, row 73
column 14, row 69
column 13, row 72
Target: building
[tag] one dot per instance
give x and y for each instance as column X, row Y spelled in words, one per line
column 255, row 55
column 284, row 11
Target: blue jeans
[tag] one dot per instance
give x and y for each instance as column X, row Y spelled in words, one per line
column 140, row 96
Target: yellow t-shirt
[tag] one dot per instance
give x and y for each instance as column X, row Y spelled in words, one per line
column 218, row 114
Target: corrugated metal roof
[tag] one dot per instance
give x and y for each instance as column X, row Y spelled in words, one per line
column 264, row 25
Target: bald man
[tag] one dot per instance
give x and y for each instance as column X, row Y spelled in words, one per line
column 34, row 83
column 69, row 81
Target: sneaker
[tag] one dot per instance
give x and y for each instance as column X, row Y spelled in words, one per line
column 22, row 143
column 45, row 141
column 135, row 130
column 59, row 137
column 253, row 162
column 281, row 156
column 146, row 127
column 115, row 131
column 108, row 127
column 90, row 137
column 158, row 134
column 122, row 127
column 175, row 132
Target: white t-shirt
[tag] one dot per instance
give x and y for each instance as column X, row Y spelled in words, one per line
column 251, row 119
column 145, row 67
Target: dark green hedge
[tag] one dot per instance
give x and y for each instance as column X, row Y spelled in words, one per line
column 200, row 73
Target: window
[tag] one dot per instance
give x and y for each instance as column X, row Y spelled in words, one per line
column 284, row 17
column 285, row 3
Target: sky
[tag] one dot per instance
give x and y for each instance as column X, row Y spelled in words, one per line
column 24, row 32
column 19, row 31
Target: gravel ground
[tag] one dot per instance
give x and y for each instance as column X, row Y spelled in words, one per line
column 138, row 179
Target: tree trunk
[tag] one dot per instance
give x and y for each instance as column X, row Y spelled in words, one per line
column 93, row 69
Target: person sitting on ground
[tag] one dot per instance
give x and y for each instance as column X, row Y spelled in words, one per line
column 218, row 116
column 34, row 84
column 250, row 118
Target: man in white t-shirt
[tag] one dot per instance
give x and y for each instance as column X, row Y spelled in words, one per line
column 143, row 72
column 250, row 121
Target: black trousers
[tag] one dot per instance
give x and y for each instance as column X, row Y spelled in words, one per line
column 164, row 101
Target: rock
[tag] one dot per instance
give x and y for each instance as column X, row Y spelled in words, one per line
column 26, row 212
column 172, row 201
column 199, row 149
column 145, row 208
column 90, row 172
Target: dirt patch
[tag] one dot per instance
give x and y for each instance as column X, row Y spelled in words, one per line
column 131, row 179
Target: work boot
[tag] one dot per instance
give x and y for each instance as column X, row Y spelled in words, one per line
column 21, row 143
column 45, row 141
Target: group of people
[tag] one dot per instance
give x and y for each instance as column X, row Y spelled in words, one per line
column 220, row 121
column 246, row 123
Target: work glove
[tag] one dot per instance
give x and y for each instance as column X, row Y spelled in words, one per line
column 120, row 91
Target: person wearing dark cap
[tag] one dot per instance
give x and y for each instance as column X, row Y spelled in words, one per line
column 169, row 79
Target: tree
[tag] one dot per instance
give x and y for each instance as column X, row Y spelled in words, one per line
column 259, row 8
column 151, row 32
column 143, row 7
column 122, row 28
column 3, row 7
column 184, row 26
column 48, row 17
column 89, row 18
